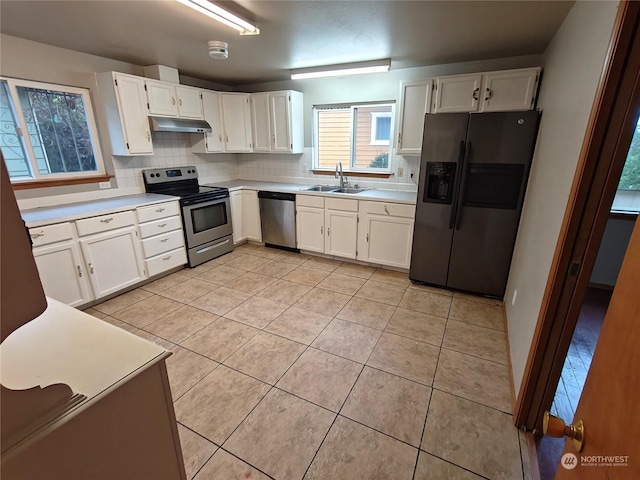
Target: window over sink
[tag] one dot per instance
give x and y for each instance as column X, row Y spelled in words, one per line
column 358, row 135
column 48, row 132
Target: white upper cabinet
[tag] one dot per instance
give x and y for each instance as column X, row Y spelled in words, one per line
column 457, row 93
column 125, row 108
column 509, row 90
column 169, row 100
column 209, row 142
column 277, row 120
column 189, row 102
column 260, row 122
column 236, row 118
column 161, row 98
column 415, row 100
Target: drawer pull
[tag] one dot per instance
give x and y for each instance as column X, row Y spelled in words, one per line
column 38, row 234
column 385, row 210
column 164, row 240
column 162, row 225
column 91, row 269
column 106, row 220
column 166, row 258
column 159, row 210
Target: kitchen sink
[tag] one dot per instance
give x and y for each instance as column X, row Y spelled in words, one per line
column 322, row 188
column 350, row 190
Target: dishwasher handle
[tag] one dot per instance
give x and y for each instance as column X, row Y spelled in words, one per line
column 277, row 196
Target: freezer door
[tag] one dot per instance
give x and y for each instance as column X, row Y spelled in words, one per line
column 494, row 178
column 443, row 145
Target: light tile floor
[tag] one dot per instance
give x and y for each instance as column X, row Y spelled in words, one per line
column 288, row 366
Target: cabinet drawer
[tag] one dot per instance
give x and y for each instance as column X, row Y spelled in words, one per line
column 165, row 261
column 51, row 234
column 392, row 209
column 160, row 226
column 103, row 223
column 342, row 204
column 310, row 201
column 159, row 210
column 162, row 243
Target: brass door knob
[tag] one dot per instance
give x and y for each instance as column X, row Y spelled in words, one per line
column 555, row 427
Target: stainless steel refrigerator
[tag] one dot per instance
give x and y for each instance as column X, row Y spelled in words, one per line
column 473, row 176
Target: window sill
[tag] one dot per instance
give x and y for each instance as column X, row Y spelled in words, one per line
column 353, row 174
column 60, row 182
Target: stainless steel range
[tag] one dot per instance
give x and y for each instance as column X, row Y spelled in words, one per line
column 206, row 213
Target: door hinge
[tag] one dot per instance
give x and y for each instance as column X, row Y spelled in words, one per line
column 116, row 81
column 136, row 233
column 574, row 268
column 127, row 145
column 148, row 107
column 289, row 97
column 145, row 87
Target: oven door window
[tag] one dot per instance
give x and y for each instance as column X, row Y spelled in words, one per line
column 208, row 217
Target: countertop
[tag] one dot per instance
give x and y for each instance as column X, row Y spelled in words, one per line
column 38, row 217
column 395, row 196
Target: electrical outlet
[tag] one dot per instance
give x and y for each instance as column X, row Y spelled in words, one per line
column 400, row 171
column 104, row 184
column 513, row 299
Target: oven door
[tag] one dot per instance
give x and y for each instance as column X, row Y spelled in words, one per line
column 206, row 221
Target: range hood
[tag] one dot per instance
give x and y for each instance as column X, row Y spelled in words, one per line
column 172, row 124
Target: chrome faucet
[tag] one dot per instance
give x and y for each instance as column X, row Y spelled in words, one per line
column 343, row 180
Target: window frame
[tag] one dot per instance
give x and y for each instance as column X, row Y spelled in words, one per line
column 60, row 178
column 348, row 164
column 374, row 128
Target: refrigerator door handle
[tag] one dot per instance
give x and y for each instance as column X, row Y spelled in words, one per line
column 463, row 181
column 454, row 206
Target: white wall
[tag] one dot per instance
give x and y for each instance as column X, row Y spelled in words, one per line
column 572, row 68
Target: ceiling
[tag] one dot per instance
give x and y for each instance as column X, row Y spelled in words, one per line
column 294, row 34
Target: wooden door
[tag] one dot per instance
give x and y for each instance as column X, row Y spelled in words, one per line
column 415, row 101
column 236, row 116
column 509, row 90
column 388, row 240
column 251, row 215
column 609, row 401
column 457, row 93
column 260, row 122
column 133, row 114
column 310, row 225
column 211, row 109
column 342, row 233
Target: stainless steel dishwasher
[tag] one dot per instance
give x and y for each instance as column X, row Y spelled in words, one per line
column 278, row 219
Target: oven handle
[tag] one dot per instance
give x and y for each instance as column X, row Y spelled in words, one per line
column 212, row 201
column 211, row 247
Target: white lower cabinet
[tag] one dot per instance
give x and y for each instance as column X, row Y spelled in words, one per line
column 245, row 216
column 114, row 260
column 310, row 228
column 63, row 273
column 342, row 232
column 386, row 233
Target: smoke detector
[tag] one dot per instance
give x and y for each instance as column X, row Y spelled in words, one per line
column 218, row 50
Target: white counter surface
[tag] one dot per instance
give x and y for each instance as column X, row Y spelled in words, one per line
column 38, row 217
column 65, row 345
column 395, row 196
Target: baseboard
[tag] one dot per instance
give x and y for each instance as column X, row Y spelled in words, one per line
column 511, row 382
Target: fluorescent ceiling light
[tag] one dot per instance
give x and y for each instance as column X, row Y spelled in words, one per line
column 221, row 15
column 340, row 70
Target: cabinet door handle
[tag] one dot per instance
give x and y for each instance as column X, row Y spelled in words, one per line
column 386, row 211
column 79, row 271
column 91, row 269
column 106, row 220
column 399, row 138
column 367, row 237
column 220, row 137
column 148, row 137
column 166, row 258
column 475, row 93
column 159, row 210
column 162, row 225
column 180, row 101
column 322, row 230
column 328, row 232
column 37, row 235
column 173, row 101
column 274, row 138
column 489, row 95
column 162, row 240
column 227, row 137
